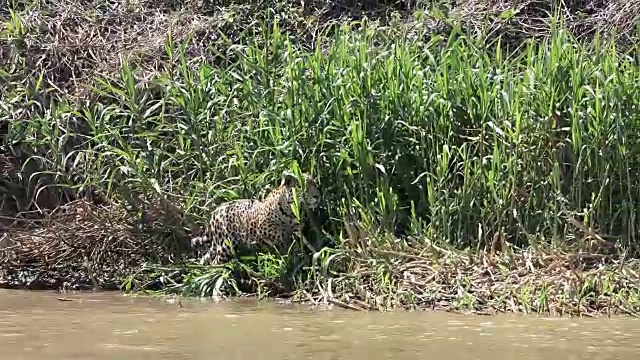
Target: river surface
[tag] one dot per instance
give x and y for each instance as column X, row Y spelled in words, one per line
column 96, row 326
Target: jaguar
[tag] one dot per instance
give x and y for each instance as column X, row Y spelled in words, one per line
column 252, row 223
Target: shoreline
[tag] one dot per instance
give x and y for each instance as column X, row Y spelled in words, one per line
column 462, row 283
column 457, row 171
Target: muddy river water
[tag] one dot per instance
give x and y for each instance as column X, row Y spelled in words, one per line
column 37, row 325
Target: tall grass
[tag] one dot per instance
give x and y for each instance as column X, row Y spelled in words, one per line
column 439, row 139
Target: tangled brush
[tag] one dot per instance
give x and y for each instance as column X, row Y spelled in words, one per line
column 79, row 244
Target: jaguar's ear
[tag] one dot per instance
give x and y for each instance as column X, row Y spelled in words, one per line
column 288, row 179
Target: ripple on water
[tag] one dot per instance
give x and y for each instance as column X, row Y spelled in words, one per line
column 142, row 328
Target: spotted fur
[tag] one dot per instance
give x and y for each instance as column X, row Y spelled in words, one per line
column 251, row 223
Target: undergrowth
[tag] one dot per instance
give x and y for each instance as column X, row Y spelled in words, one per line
column 448, row 166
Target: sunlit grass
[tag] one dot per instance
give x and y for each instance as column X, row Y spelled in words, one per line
column 437, row 140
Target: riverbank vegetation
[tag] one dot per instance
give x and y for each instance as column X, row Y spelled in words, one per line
column 473, row 156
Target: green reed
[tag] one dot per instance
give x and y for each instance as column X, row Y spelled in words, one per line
column 441, row 139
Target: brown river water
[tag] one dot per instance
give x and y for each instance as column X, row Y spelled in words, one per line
column 96, row 326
